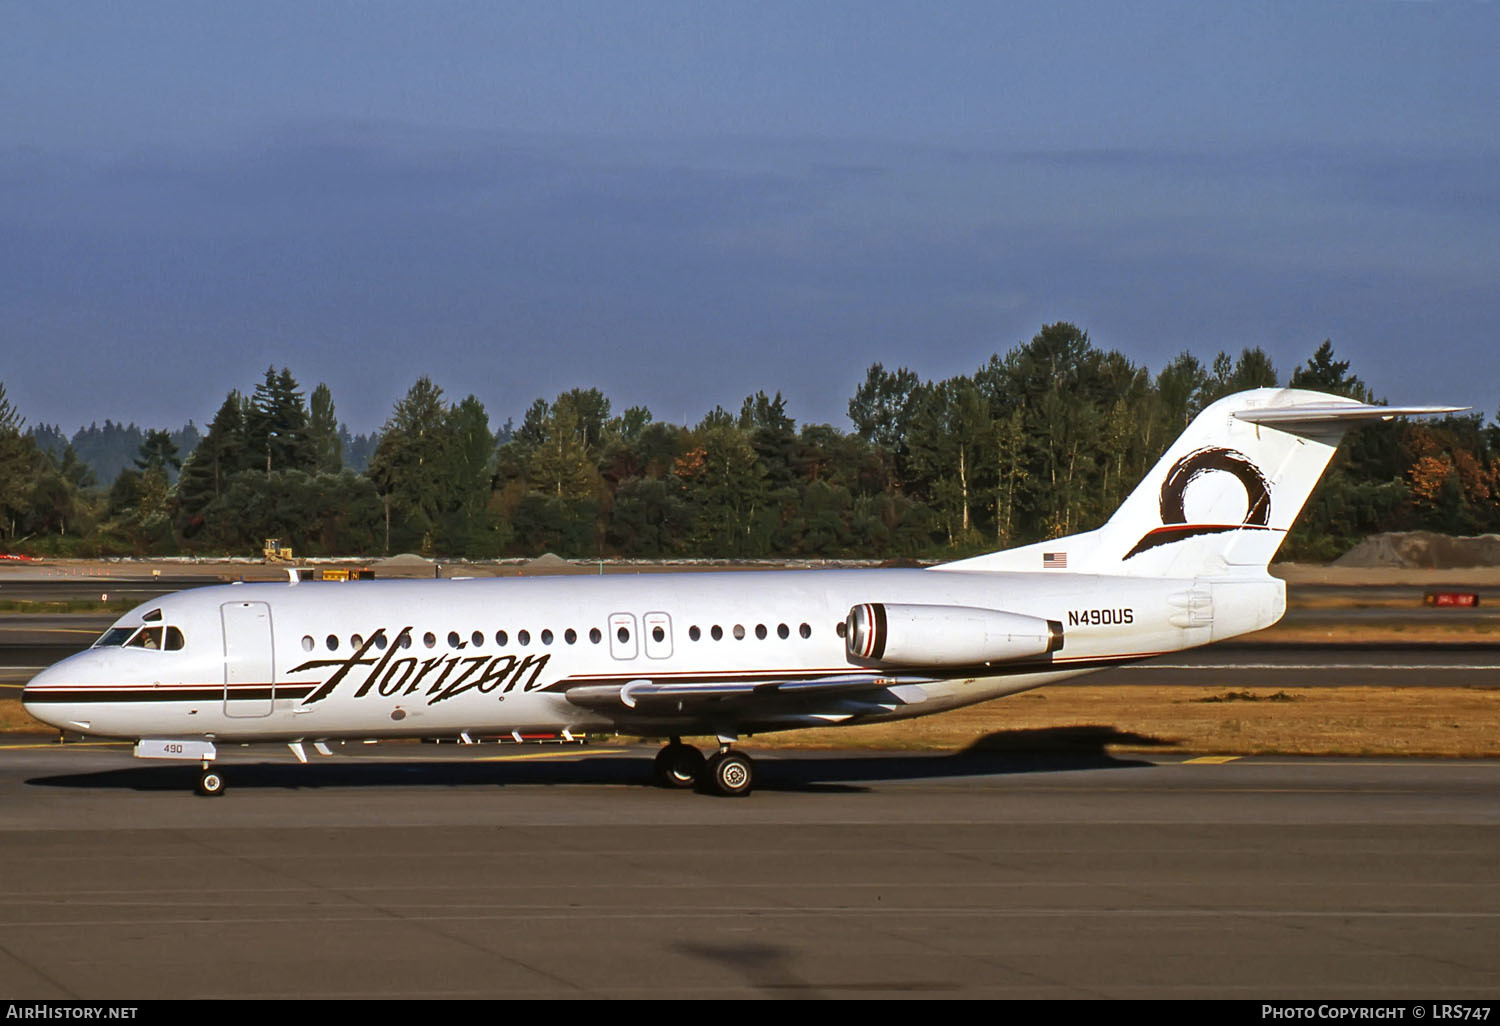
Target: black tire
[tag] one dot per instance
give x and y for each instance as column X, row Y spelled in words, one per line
column 678, row 766
column 731, row 774
column 210, row 783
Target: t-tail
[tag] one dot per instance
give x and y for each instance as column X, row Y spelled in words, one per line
column 1221, row 500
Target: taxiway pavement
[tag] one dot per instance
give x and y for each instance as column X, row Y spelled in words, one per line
column 420, row 871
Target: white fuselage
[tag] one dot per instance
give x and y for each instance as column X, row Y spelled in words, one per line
column 291, row 662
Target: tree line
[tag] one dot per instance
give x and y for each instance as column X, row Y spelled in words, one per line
column 1044, row 440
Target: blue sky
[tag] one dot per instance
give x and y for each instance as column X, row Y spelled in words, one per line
column 684, row 203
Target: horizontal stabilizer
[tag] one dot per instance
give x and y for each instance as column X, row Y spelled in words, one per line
column 1324, row 414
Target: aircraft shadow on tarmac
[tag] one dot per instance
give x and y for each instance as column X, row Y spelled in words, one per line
column 1047, row 750
column 774, row 969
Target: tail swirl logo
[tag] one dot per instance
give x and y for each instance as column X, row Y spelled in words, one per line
column 1210, row 459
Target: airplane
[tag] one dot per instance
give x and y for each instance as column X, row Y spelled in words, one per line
column 1182, row 562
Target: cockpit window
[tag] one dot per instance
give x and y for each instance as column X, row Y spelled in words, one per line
column 114, row 637
column 146, row 637
column 154, row 638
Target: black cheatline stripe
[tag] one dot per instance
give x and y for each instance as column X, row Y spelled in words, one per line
column 59, row 696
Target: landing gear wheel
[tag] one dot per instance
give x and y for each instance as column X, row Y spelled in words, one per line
column 678, row 765
column 210, row 783
column 731, row 774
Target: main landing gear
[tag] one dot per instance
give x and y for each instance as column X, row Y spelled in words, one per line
column 726, row 772
column 678, row 765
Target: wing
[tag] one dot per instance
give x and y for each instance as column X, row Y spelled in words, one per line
column 828, row 699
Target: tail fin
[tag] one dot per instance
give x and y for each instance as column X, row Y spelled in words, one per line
column 1222, row 498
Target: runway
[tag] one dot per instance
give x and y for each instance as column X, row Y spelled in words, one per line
column 421, row 871
column 1241, row 664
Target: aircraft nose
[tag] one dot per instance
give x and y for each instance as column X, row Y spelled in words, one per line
column 40, row 697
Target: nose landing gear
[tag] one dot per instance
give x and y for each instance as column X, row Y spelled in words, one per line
column 210, row 782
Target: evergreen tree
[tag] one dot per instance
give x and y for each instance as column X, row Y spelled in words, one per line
column 357, row 450
column 49, row 439
column 411, row 465
column 109, row 449
column 222, row 453
column 1325, row 374
column 19, row 463
column 325, row 448
column 276, row 423
column 157, row 452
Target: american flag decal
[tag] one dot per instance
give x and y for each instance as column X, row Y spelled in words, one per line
column 1054, row 560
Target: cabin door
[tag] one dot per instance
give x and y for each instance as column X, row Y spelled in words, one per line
column 249, row 659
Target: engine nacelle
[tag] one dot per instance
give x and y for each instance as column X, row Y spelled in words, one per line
column 910, row 635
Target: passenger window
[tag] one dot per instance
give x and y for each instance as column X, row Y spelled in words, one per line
column 694, row 632
column 717, row 632
column 760, row 631
column 546, row 637
column 524, row 637
column 739, row 632
column 782, row 632
column 570, row 635
column 307, row 641
column 476, row 639
column 805, row 631
column 595, row 635
column 453, row 639
column 429, row 639
column 501, row 638
column 332, row 642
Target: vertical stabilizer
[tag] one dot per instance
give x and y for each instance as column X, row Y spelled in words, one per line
column 1222, row 499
